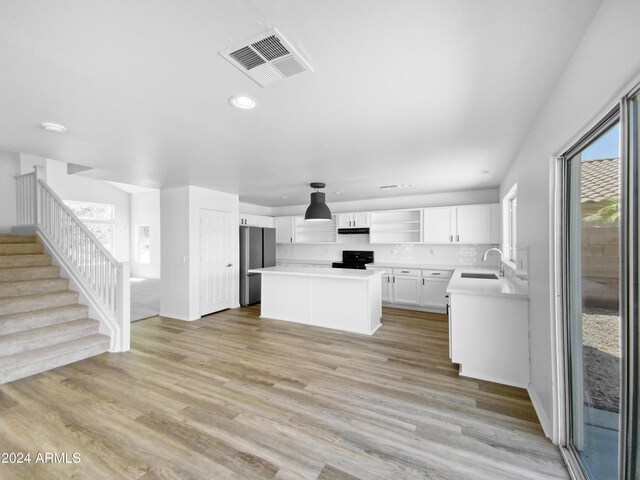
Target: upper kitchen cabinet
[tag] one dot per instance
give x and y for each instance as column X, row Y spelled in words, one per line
column 315, row 232
column 250, row 220
column 478, row 224
column 395, row 226
column 467, row 224
column 284, row 229
column 353, row 220
column 439, row 224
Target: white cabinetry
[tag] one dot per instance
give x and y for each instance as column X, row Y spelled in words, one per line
column 468, row 224
column 314, row 232
column 406, row 286
column 438, row 225
column 284, row 229
column 353, row 220
column 250, row 220
column 489, row 337
column 434, row 289
column 395, row 226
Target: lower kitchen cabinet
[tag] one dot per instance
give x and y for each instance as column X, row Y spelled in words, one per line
column 434, row 293
column 489, row 337
column 387, row 288
column 406, row 289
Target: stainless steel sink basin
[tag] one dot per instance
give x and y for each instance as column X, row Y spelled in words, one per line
column 485, row 276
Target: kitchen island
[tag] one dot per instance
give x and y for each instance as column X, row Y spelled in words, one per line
column 342, row 299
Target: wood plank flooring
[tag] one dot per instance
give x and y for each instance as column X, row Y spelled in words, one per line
column 233, row 396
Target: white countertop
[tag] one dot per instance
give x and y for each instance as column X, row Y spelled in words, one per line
column 502, row 287
column 307, row 260
column 426, row 266
column 343, row 273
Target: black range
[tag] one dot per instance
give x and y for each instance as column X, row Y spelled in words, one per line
column 356, row 259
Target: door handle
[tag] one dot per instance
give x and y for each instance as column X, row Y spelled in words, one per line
column 394, row 279
column 438, row 273
column 229, row 264
column 451, row 238
column 457, row 238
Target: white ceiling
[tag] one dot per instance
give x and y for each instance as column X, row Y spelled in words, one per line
column 419, row 92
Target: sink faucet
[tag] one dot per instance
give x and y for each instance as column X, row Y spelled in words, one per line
column 484, row 258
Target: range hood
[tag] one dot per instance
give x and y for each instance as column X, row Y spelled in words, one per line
column 352, row 231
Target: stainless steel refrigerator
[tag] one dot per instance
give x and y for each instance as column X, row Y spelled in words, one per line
column 257, row 250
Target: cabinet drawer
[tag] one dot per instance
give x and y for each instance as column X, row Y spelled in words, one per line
column 385, row 271
column 437, row 273
column 411, row 272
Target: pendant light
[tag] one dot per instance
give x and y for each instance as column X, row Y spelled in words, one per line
column 317, row 210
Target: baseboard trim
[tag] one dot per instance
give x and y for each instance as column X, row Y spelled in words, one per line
column 547, row 427
column 178, row 317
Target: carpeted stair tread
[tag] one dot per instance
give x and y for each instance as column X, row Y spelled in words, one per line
column 28, row 273
column 21, row 248
column 19, row 322
column 46, row 336
column 14, row 261
column 14, row 238
column 33, row 287
column 31, row 362
column 37, row 302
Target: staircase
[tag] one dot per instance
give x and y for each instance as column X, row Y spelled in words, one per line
column 42, row 325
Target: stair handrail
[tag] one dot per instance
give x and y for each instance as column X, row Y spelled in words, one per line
column 103, row 276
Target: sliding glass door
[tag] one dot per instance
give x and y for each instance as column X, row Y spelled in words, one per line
column 599, row 237
column 593, row 300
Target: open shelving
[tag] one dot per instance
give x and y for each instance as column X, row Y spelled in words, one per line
column 396, row 226
column 312, row 232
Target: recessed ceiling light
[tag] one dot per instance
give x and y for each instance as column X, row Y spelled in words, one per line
column 482, row 172
column 339, row 193
column 244, row 102
column 53, row 127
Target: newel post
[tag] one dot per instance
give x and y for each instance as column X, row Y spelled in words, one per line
column 124, row 306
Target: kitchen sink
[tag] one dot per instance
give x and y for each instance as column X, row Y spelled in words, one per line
column 485, row 276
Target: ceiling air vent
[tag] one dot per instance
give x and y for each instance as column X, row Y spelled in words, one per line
column 266, row 58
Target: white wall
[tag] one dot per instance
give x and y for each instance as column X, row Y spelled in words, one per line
column 601, row 70
column 252, row 209
column 174, row 227
column 9, row 169
column 391, row 203
column 180, row 208
column 75, row 187
column 145, row 210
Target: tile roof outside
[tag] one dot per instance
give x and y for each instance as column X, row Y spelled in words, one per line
column 600, row 179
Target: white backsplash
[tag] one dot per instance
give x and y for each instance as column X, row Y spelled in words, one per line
column 429, row 254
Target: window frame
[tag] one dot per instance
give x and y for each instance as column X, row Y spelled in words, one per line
column 89, row 221
column 510, row 224
column 137, row 255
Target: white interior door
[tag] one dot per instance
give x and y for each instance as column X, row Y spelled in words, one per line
column 216, row 266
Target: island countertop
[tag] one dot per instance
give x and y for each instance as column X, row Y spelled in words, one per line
column 345, row 273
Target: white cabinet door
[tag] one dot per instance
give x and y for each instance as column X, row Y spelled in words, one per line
column 473, row 224
column 264, row 221
column 360, row 220
column 406, row 290
column 387, row 292
column 284, row 230
column 438, row 225
column 434, row 293
column 344, row 220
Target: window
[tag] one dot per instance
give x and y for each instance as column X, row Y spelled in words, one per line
column 143, row 244
column 509, row 216
column 99, row 218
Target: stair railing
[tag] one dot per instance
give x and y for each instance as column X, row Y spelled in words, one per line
column 105, row 280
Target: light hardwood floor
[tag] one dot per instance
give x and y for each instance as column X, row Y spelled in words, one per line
column 233, row 396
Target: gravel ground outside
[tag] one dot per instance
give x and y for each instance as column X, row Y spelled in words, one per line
column 601, row 358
